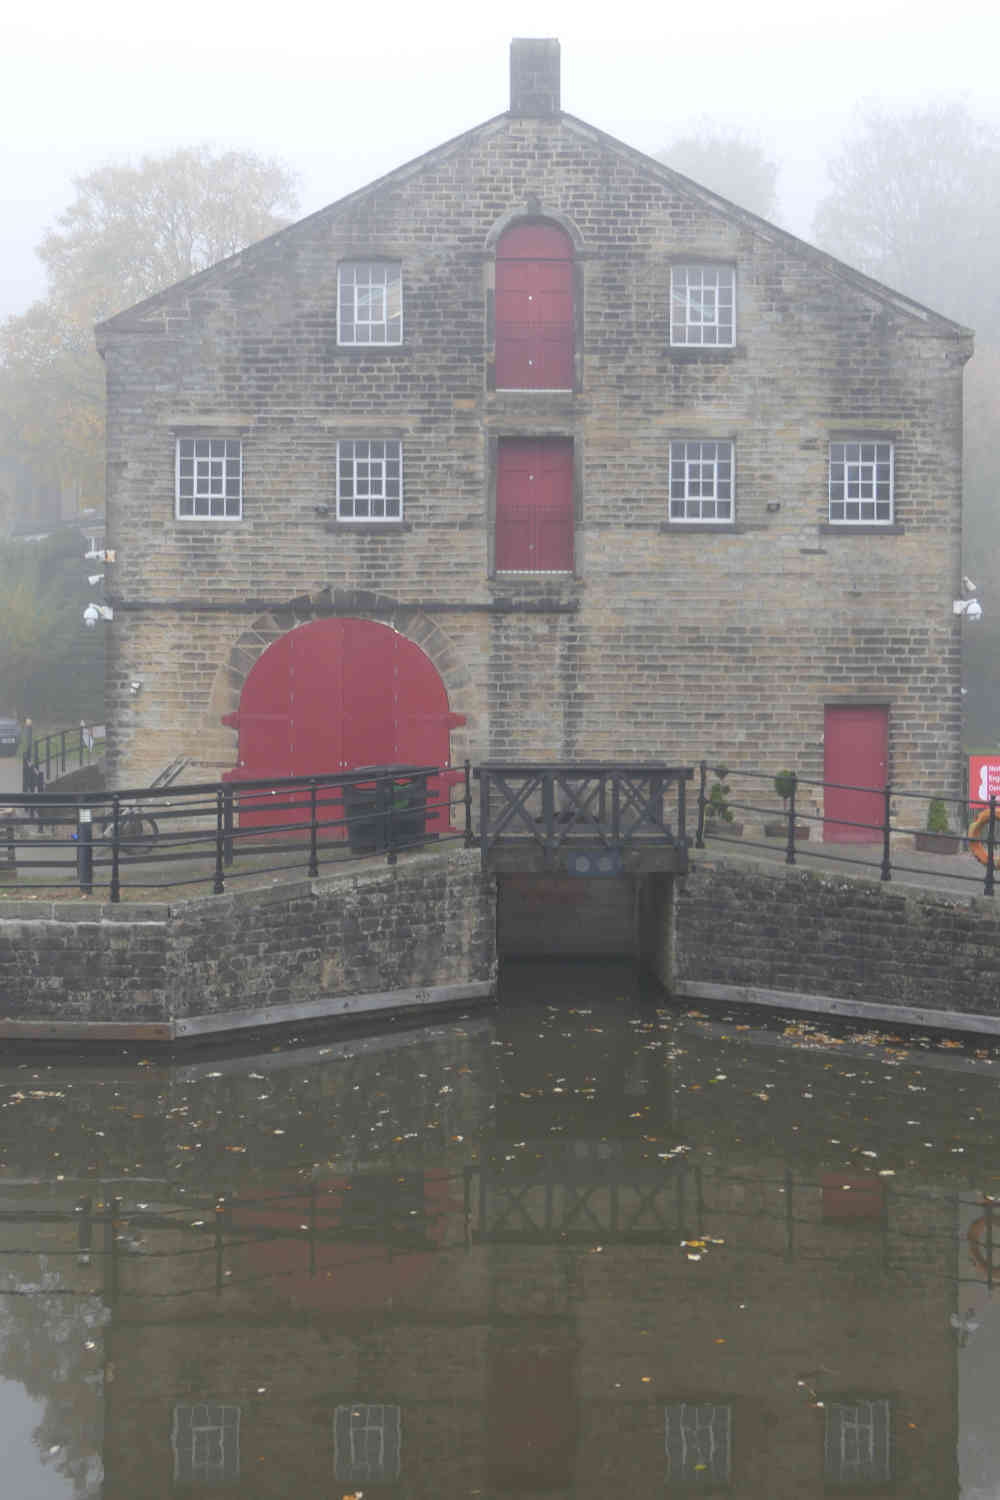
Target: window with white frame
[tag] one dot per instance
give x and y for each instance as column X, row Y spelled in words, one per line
column 703, row 305
column 209, row 478
column 206, row 1444
column 701, row 481
column 858, row 1447
column 369, row 302
column 697, row 1443
column 369, row 480
column 367, row 1441
column 861, row 483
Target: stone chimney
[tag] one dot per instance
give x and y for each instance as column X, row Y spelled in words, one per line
column 534, row 77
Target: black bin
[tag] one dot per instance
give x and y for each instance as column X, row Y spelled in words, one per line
column 388, row 812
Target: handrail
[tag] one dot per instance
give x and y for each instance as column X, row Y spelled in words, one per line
column 57, row 750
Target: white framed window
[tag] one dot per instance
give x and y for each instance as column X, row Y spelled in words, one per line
column 209, row 478
column 858, row 1446
column 701, row 481
column 698, row 1444
column 206, row 1443
column 369, row 480
column 703, row 305
column 367, row 1441
column 862, row 482
column 369, row 302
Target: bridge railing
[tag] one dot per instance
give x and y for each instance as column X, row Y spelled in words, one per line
column 155, row 839
column 898, row 823
column 56, row 753
column 606, row 805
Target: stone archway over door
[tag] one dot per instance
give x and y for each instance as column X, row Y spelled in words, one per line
column 340, row 693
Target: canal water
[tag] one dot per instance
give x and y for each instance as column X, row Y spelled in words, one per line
column 586, row 1244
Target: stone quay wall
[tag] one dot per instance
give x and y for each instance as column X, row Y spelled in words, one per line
column 775, row 935
column 381, row 938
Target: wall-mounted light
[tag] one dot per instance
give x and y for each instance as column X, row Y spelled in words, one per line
column 95, row 612
column 94, row 579
column 970, row 608
column 135, row 687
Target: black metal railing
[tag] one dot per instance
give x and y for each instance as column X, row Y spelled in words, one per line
column 57, row 753
column 211, row 833
column 790, row 826
column 606, row 805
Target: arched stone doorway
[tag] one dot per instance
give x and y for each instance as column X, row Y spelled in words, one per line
column 339, row 693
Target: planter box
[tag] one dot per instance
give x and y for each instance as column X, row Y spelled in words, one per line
column 719, row 828
column 779, row 830
column 937, row 843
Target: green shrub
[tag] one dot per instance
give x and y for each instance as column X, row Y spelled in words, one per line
column 784, row 785
column 937, row 817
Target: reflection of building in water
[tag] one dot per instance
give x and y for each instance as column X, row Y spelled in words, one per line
column 605, row 1325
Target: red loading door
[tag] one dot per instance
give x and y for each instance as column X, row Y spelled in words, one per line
column 534, row 525
column 534, row 309
column 856, row 755
column 336, row 694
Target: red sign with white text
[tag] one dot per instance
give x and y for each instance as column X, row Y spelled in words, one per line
column 984, row 779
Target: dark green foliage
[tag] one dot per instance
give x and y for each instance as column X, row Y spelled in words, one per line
column 937, row 817
column 784, row 785
column 717, row 805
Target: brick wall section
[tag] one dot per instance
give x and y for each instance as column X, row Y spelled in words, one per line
column 667, row 642
column 429, row 920
column 782, row 928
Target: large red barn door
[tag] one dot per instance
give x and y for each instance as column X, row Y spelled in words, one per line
column 336, row 694
column 855, row 755
column 534, row 309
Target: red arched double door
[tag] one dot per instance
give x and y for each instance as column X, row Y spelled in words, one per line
column 341, row 693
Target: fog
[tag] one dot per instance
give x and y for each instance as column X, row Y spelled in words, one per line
column 342, row 94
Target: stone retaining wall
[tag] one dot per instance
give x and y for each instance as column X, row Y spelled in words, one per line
column 779, row 935
column 380, row 938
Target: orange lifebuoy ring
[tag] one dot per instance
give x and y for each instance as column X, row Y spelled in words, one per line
column 976, row 845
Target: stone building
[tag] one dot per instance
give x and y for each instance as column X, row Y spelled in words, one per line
column 534, row 448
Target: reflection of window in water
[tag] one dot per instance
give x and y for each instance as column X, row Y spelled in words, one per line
column 697, row 1443
column 206, row 1442
column 367, row 1442
column 858, row 1442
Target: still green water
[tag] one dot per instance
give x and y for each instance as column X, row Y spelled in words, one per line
column 585, row 1244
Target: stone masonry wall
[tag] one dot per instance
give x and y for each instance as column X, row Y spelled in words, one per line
column 667, row 641
column 773, row 927
column 427, row 921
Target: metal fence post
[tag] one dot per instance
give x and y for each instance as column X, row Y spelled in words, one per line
column 116, row 812
column 85, row 849
column 10, row 862
column 991, row 848
column 469, row 836
column 313, row 831
column 790, row 851
column 887, row 815
column 699, row 838
column 219, row 884
column 227, row 821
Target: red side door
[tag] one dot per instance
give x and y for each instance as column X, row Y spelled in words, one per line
column 534, row 309
column 534, row 524
column 856, row 758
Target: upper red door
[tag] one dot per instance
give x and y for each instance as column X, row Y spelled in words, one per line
column 534, row 526
column 856, row 757
column 534, row 309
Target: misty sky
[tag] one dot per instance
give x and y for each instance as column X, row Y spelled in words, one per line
column 343, row 93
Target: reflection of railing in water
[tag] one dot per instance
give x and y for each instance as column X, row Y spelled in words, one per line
column 397, row 1214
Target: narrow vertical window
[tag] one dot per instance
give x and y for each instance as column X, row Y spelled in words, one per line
column 369, row 480
column 703, row 306
column 206, row 1444
column 701, row 482
column 209, row 478
column 369, row 302
column 534, row 309
column 858, row 1449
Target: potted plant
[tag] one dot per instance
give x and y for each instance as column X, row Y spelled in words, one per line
column 719, row 816
column 938, row 839
column 784, row 784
